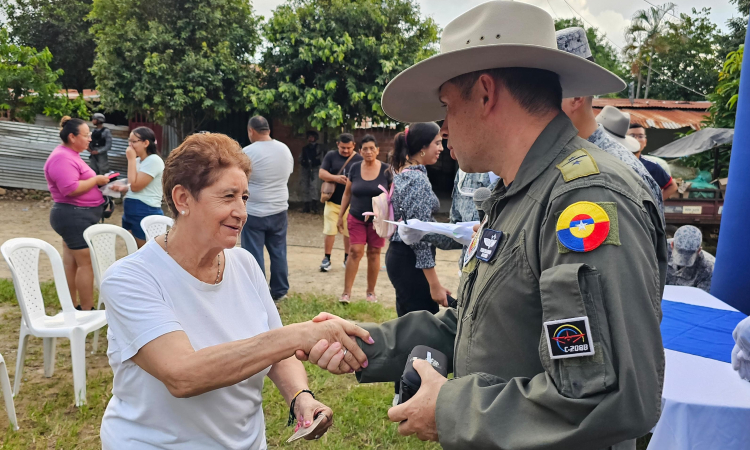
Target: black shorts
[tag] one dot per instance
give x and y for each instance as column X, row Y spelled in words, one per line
column 69, row 221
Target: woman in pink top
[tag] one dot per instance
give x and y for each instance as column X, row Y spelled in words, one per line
column 78, row 205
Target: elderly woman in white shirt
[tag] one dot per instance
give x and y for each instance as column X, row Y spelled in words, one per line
column 193, row 330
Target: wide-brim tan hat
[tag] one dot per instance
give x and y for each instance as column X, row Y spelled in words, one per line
column 617, row 123
column 496, row 34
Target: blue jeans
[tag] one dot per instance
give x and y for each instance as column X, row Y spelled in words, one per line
column 271, row 232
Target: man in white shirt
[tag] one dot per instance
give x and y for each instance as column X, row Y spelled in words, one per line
column 267, row 206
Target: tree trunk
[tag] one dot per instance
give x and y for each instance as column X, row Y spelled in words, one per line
column 648, row 77
column 640, row 78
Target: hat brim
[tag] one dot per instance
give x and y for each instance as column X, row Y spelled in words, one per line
column 413, row 96
column 629, row 142
column 683, row 258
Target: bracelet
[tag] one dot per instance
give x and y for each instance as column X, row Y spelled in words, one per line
column 292, row 417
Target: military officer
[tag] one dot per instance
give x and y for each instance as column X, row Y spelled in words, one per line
column 555, row 341
column 689, row 264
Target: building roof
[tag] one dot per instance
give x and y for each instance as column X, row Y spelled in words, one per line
column 88, row 94
column 664, row 114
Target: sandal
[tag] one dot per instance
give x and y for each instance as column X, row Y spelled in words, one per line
column 345, row 298
column 371, row 297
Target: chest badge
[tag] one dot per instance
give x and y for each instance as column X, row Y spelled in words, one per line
column 583, row 226
column 569, row 338
column 488, row 244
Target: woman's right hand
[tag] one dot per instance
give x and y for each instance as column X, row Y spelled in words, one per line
column 340, row 225
column 101, row 180
column 440, row 295
column 335, row 333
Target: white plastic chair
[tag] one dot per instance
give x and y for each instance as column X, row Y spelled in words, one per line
column 22, row 256
column 156, row 225
column 7, row 394
column 101, row 239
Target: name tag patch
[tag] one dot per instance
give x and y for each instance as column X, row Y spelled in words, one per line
column 488, row 244
column 569, row 338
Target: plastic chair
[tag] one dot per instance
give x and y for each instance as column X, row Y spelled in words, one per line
column 22, row 256
column 101, row 239
column 156, row 225
column 7, row 394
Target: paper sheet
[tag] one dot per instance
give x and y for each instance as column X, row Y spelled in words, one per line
column 461, row 232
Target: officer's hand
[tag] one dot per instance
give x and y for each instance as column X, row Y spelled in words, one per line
column 328, row 356
column 417, row 416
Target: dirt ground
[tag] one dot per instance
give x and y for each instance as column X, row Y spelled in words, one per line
column 28, row 218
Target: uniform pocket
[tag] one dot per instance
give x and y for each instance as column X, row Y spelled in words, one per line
column 570, row 292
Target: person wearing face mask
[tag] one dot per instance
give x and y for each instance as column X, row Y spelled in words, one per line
column 144, row 190
column 74, row 187
column 193, row 330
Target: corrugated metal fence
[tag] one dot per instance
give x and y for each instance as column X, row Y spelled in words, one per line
column 24, row 148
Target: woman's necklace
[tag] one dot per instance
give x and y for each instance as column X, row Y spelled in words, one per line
column 218, row 257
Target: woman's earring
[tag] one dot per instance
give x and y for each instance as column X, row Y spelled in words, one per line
column 183, row 213
column 422, row 153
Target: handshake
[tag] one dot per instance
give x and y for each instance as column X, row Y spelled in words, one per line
column 331, row 344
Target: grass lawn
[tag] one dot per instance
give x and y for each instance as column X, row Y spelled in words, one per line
column 48, row 419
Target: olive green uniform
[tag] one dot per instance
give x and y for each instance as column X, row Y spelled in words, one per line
column 508, row 393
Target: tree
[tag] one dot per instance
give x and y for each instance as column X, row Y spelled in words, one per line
column 723, row 112
column 645, row 38
column 176, row 62
column 604, row 54
column 60, row 26
column 30, row 85
column 737, row 28
column 328, row 61
column 689, row 55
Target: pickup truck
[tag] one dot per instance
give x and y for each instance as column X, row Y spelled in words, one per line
column 704, row 213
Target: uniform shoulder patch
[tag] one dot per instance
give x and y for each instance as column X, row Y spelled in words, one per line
column 578, row 164
column 584, row 226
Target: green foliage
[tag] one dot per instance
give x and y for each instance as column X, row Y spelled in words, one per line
column 723, row 112
column 688, row 54
column 61, row 27
column 328, row 61
column 29, row 84
column 604, row 54
column 178, row 62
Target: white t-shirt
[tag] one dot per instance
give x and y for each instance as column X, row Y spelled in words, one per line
column 272, row 165
column 152, row 194
column 147, row 295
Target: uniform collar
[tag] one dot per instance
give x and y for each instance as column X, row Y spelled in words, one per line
column 544, row 151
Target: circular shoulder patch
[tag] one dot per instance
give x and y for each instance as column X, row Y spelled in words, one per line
column 583, row 226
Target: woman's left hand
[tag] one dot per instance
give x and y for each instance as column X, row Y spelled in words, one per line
column 306, row 408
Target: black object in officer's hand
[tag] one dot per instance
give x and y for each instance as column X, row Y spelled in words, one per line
column 452, row 302
column 480, row 195
column 410, row 380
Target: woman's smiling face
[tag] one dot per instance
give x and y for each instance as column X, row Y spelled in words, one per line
column 220, row 208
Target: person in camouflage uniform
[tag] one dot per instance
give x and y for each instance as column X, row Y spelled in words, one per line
column 463, row 208
column 579, row 110
column 689, row 265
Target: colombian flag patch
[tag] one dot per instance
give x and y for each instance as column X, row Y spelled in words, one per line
column 583, row 226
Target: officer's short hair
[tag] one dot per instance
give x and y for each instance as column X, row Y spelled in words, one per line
column 537, row 90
